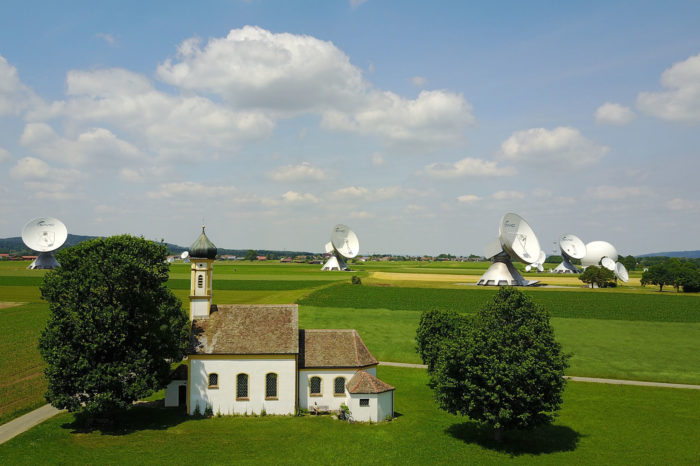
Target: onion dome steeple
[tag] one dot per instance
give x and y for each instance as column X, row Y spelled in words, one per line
column 203, row 248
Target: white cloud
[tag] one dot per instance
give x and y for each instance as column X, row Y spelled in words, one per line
column 507, row 195
column 354, row 193
column 615, row 192
column 293, row 197
column 30, row 168
column 468, row 198
column 433, row 118
column 15, row 97
column 419, row 81
column 191, row 190
column 166, row 124
column 109, row 38
column 467, row 167
column 361, row 214
column 95, row 146
column 356, row 3
column 4, row 155
column 377, row 159
column 681, row 100
column 682, row 204
column 302, row 172
column 286, row 74
column 563, row 146
column 253, row 67
column 614, row 114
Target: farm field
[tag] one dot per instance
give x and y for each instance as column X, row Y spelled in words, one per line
column 598, row 424
column 614, row 333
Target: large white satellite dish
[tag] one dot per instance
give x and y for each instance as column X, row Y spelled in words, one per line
column 571, row 247
column 344, row 245
column 596, row 250
column 184, row 255
column 621, row 272
column 44, row 235
column 517, row 242
column 538, row 264
column 608, row 263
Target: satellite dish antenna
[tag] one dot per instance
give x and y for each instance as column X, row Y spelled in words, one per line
column 571, row 247
column 329, row 248
column 596, row 250
column 344, row 245
column 517, row 242
column 621, row 272
column 538, row 264
column 608, row 263
column 185, row 256
column 44, row 235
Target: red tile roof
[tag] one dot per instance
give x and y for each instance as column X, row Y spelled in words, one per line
column 248, row 329
column 333, row 348
column 364, row 382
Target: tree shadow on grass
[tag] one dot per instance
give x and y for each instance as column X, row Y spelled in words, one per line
column 541, row 440
column 137, row 418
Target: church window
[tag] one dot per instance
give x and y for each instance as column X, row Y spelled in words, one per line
column 200, row 281
column 213, row 380
column 364, row 402
column 315, row 386
column 242, row 387
column 339, row 386
column 271, row 386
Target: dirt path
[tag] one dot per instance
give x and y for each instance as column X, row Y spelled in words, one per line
column 26, row 422
column 6, row 304
column 577, row 379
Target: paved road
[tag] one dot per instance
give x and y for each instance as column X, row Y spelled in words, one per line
column 578, row 379
column 26, row 422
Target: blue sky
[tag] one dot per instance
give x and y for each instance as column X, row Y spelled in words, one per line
column 419, row 124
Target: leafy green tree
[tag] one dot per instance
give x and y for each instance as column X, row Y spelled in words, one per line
column 434, row 328
column 113, row 327
column 599, row 276
column 504, row 369
column 659, row 275
column 251, row 255
column 630, row 262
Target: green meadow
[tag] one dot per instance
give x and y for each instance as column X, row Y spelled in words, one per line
column 626, row 333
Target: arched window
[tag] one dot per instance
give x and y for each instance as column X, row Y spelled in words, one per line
column 200, row 281
column 339, row 386
column 315, row 386
column 271, row 386
column 213, row 380
column 242, row 387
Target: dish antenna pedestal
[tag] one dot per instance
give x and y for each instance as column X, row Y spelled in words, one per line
column 571, row 247
column 516, row 240
column 44, row 235
column 343, row 245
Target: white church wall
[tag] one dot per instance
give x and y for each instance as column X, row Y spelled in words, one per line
column 327, row 396
column 172, row 393
column 380, row 405
column 223, row 398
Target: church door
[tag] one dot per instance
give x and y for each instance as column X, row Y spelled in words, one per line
column 182, row 395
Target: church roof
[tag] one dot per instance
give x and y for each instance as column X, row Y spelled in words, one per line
column 333, row 348
column 247, row 329
column 202, row 248
column 364, row 382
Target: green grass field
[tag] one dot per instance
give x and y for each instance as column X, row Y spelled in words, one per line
column 598, row 424
column 614, row 333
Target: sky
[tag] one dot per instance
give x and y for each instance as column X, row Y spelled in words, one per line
column 418, row 124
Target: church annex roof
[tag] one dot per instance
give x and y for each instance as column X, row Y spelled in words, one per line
column 364, row 382
column 247, row 329
column 203, row 248
column 333, row 348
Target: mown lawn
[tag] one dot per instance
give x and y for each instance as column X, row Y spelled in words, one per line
column 598, row 424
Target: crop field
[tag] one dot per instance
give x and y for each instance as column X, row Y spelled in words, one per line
column 598, row 424
column 627, row 333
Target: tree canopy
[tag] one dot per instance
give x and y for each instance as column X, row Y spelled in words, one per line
column 673, row 272
column 113, row 325
column 599, row 276
column 503, row 367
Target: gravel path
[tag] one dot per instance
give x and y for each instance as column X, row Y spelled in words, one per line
column 26, row 422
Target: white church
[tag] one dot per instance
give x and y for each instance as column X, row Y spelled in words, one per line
column 253, row 359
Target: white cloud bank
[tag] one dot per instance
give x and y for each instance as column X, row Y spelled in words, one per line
column 615, row 192
column 562, row 146
column 614, row 114
column 15, row 97
column 302, row 172
column 681, row 101
column 467, row 167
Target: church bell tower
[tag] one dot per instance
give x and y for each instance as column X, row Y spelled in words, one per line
column 202, row 256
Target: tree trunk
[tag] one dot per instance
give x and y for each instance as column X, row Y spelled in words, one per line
column 498, row 434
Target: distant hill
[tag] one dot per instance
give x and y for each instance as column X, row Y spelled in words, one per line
column 16, row 247
column 687, row 254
